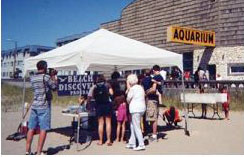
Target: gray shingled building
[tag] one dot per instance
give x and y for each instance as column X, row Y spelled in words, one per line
column 148, row 20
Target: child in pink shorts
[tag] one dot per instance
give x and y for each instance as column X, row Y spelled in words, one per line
column 121, row 114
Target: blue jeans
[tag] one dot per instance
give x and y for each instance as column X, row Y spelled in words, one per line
column 41, row 118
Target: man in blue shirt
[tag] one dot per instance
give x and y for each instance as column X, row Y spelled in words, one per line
column 147, row 80
column 40, row 115
column 153, row 100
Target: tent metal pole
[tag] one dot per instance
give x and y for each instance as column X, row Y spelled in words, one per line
column 23, row 98
column 78, row 123
column 80, row 86
column 184, row 103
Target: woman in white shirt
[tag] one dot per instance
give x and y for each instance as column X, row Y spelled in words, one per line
column 137, row 107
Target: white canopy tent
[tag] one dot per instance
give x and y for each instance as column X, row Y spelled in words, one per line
column 104, row 51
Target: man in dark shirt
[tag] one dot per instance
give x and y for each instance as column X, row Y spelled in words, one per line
column 147, row 80
column 152, row 100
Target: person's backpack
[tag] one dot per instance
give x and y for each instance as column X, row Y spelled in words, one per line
column 101, row 94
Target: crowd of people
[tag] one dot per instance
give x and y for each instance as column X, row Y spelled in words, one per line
column 137, row 105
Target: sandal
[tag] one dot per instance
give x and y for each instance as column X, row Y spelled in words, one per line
column 109, row 144
column 99, row 144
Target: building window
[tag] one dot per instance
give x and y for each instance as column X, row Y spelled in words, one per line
column 20, row 62
column 236, row 69
column 12, row 63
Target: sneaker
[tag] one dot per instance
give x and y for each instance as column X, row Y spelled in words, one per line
column 139, row 148
column 146, row 137
column 129, row 146
column 153, row 139
column 29, row 153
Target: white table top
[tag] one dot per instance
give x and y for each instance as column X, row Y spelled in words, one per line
column 207, row 98
column 82, row 114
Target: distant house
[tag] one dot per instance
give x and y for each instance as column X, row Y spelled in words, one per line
column 12, row 60
column 68, row 39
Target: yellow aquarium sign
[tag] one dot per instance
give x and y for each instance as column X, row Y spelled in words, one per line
column 190, row 36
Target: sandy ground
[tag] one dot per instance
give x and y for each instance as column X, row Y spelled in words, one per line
column 207, row 137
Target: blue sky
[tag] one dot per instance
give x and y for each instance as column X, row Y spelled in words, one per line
column 41, row 22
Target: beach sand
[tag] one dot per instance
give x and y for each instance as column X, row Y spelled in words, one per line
column 206, row 137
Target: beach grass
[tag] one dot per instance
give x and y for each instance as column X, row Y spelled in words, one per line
column 12, row 96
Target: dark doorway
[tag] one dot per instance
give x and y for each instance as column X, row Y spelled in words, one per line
column 212, row 71
column 188, row 61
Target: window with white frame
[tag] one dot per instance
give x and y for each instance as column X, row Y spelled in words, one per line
column 236, row 69
column 20, row 62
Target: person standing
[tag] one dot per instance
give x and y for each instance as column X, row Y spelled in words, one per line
column 226, row 105
column 146, row 84
column 137, row 107
column 204, row 106
column 196, row 77
column 101, row 93
column 115, row 84
column 187, row 75
column 218, row 78
column 40, row 115
column 201, row 74
column 152, row 101
column 163, row 73
column 121, row 113
column 207, row 75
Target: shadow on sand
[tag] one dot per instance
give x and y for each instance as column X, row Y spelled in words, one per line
column 69, row 132
column 86, row 137
column 206, row 118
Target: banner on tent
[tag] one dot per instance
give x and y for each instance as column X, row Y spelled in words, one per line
column 72, row 85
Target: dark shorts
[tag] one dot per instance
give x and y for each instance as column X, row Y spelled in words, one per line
column 104, row 110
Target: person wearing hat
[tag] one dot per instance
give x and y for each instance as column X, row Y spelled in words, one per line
column 42, row 84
